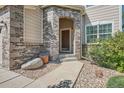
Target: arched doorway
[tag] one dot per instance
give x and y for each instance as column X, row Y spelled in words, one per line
column 66, row 35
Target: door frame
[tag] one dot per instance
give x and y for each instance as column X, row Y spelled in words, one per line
column 70, row 42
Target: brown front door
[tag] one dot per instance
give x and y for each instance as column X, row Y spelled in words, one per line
column 65, row 40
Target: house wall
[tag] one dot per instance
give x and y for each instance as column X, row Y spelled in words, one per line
column 100, row 13
column 20, row 52
column 51, row 29
column 103, row 13
column 15, row 50
column 33, row 25
column 5, row 18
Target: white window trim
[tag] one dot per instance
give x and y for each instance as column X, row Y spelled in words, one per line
column 98, row 23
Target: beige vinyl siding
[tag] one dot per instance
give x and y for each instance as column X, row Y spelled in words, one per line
column 103, row 13
column 33, row 26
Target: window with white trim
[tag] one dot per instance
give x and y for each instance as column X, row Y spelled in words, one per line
column 105, row 31
column 91, row 33
column 98, row 31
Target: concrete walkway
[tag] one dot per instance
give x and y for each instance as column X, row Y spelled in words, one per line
column 0, row 66
column 68, row 72
column 9, row 79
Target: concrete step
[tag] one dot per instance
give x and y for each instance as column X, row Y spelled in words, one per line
column 66, row 55
column 68, row 59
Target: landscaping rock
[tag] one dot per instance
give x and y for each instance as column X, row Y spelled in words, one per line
column 99, row 73
column 33, row 64
column 93, row 76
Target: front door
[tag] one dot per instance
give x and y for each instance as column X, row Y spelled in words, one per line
column 0, row 47
column 65, row 40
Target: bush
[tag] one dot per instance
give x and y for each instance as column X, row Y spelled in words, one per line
column 116, row 82
column 109, row 52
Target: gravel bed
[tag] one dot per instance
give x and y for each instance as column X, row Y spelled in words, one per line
column 88, row 78
column 36, row 73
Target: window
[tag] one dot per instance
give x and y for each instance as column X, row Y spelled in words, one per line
column 33, row 29
column 99, row 31
column 91, row 33
column 105, row 31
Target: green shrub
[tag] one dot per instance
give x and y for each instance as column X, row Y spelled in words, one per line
column 109, row 52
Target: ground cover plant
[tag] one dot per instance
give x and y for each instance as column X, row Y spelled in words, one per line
column 116, row 82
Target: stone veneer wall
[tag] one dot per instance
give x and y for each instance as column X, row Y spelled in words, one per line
column 19, row 51
column 51, row 29
column 5, row 18
column 15, row 51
